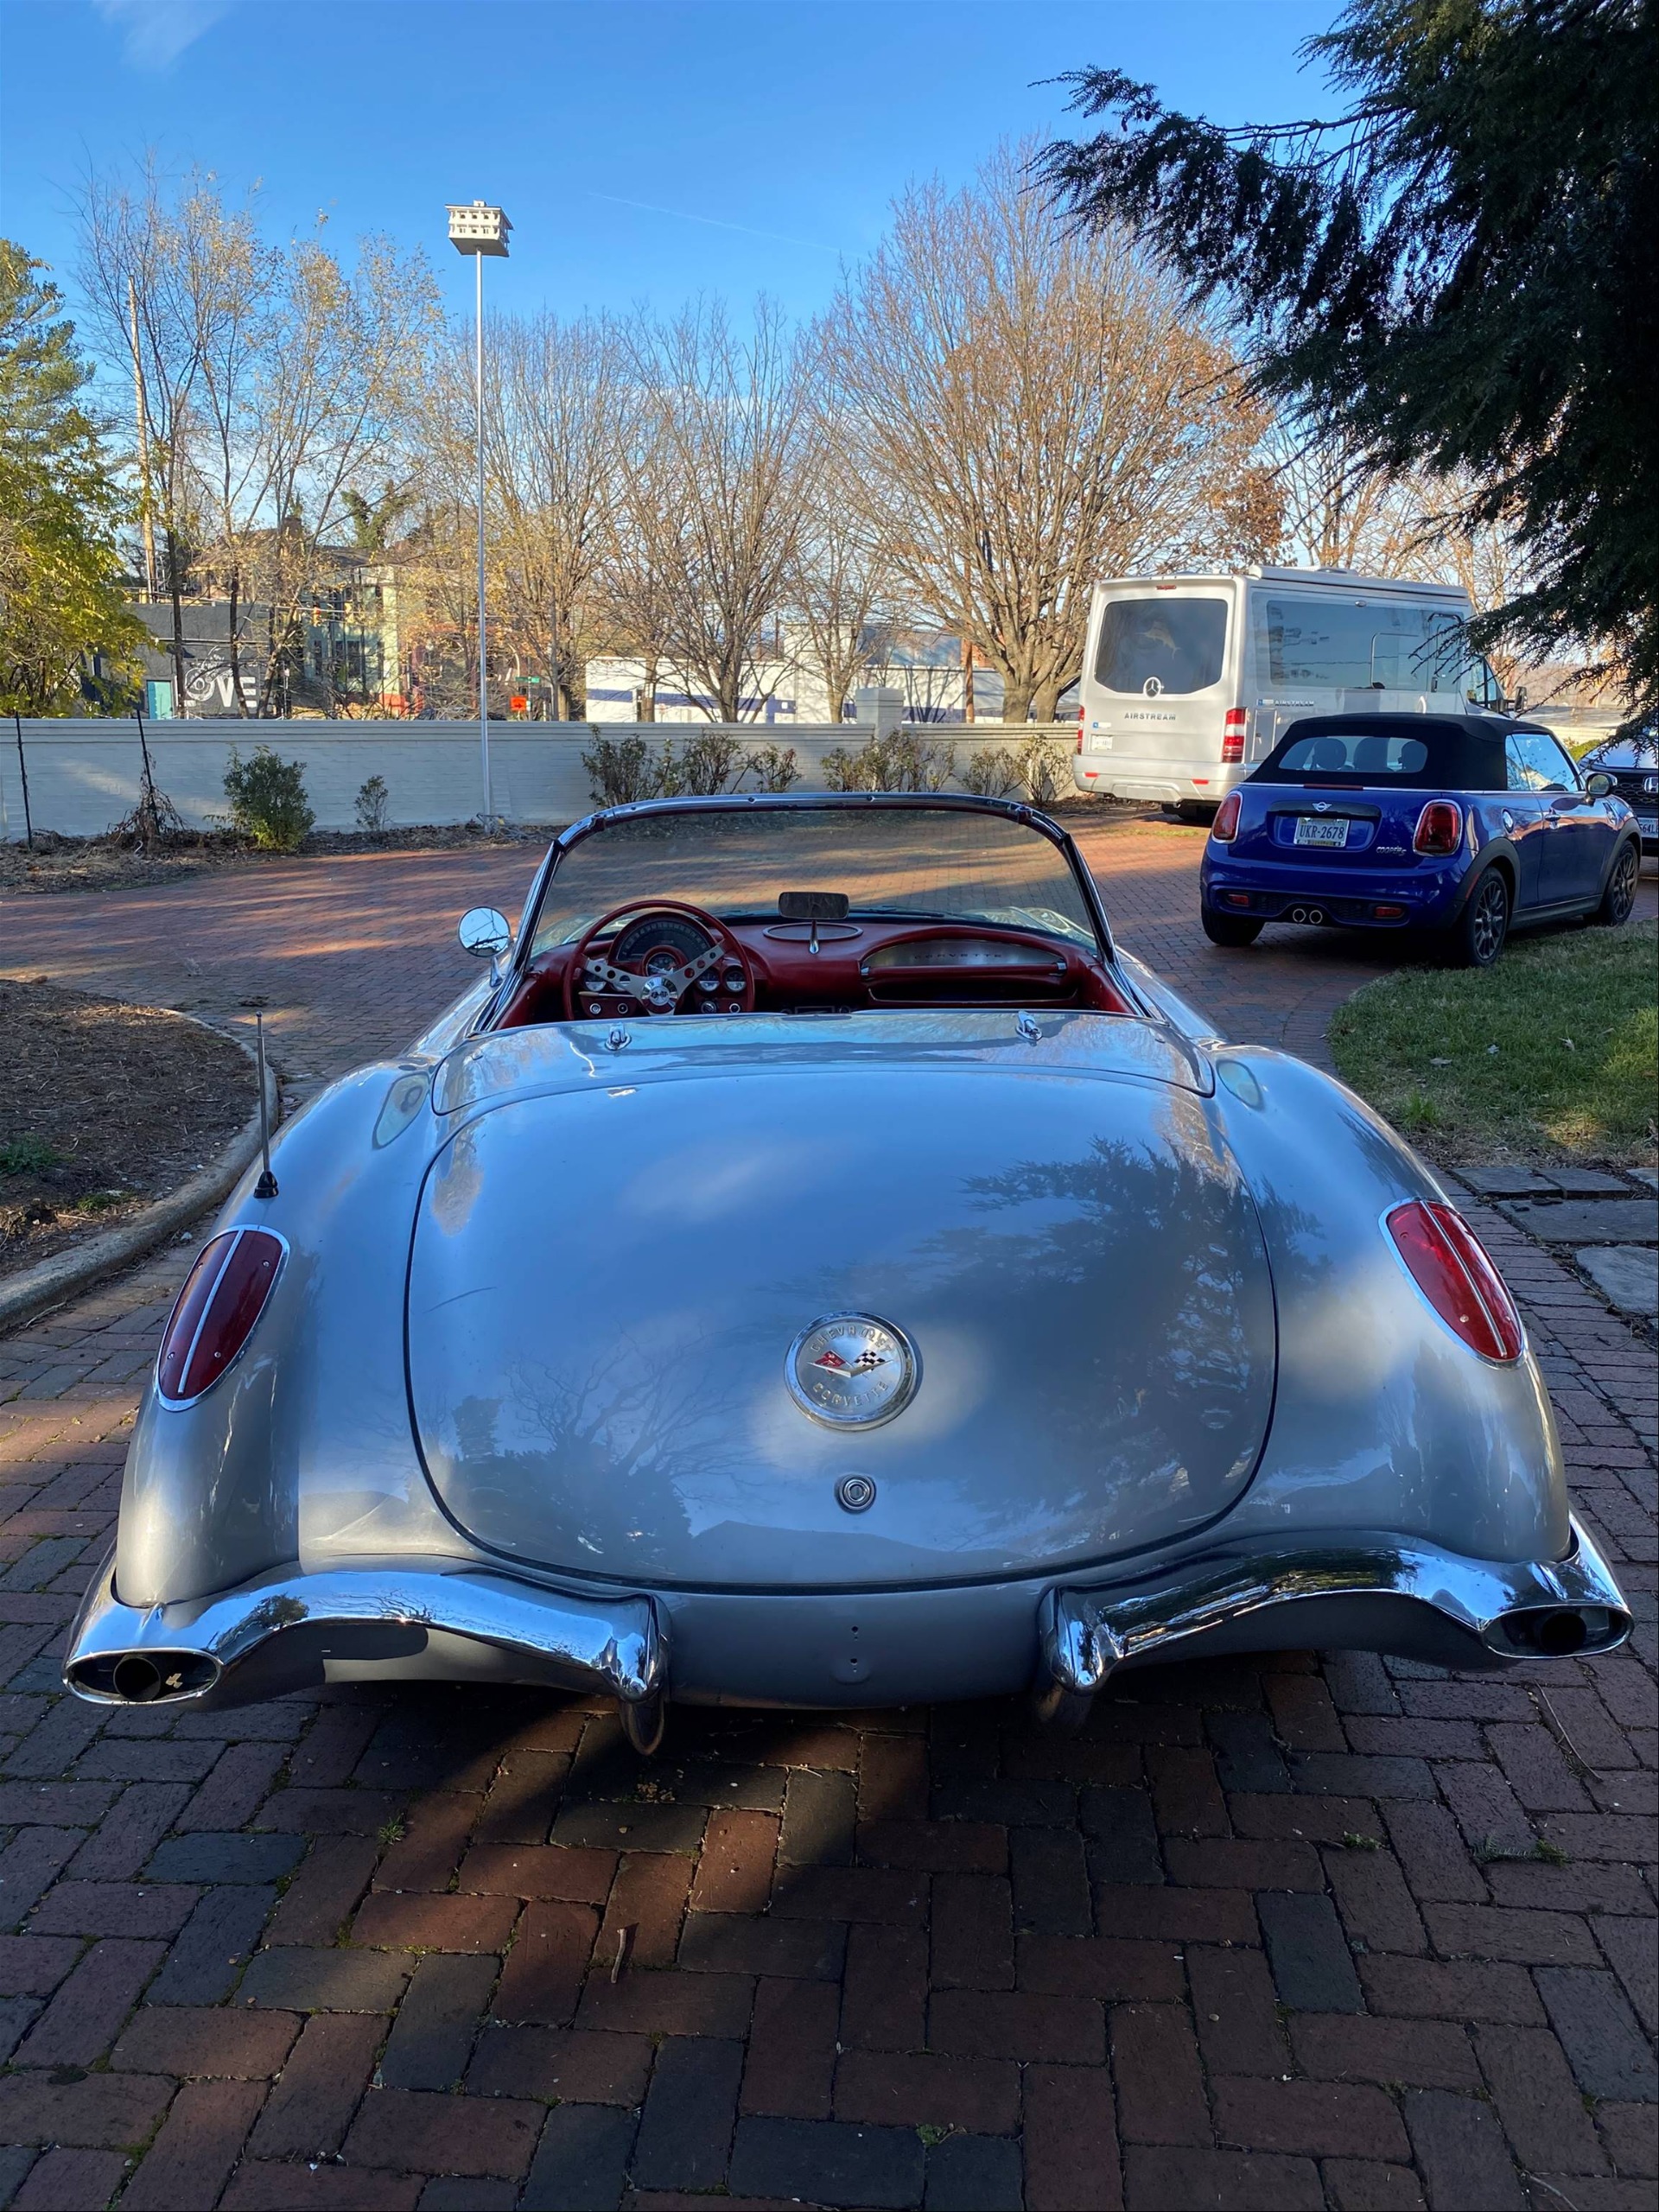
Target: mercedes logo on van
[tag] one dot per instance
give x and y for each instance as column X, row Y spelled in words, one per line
column 1153, row 688
column 850, row 1371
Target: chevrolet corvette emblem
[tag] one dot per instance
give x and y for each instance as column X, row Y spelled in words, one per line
column 861, row 1365
column 850, row 1371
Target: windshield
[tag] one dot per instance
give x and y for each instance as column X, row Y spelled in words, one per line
column 932, row 862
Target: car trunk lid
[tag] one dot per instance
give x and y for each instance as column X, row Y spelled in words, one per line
column 606, row 1283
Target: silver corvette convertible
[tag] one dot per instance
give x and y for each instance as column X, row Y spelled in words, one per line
column 816, row 1267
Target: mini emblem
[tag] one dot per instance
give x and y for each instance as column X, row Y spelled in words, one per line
column 852, row 1371
column 855, row 1492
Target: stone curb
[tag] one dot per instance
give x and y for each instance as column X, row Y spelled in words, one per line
column 53, row 1282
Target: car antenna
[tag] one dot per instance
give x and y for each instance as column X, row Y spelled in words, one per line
column 266, row 1187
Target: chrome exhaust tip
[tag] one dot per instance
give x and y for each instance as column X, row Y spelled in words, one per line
column 1557, row 1631
column 143, row 1677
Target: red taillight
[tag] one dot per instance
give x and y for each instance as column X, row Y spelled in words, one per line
column 1447, row 1261
column 1079, row 729
column 224, row 1295
column 1234, row 725
column 1224, row 828
column 1440, row 827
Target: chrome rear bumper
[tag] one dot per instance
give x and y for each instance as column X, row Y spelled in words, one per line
column 444, row 1619
column 281, row 1634
column 1403, row 1597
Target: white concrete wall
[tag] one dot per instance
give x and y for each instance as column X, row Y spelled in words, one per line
column 83, row 774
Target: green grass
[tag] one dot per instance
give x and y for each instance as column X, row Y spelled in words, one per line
column 1551, row 1054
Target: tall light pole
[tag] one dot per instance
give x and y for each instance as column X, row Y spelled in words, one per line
column 479, row 230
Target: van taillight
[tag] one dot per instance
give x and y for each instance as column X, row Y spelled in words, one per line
column 1224, row 828
column 1233, row 728
column 1440, row 827
column 1079, row 729
column 224, row 1295
column 1449, row 1265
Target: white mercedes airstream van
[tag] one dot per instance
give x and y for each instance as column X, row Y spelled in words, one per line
column 1187, row 680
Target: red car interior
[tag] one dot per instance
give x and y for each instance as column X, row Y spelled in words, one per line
column 646, row 958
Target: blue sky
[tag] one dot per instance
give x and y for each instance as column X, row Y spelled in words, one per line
column 644, row 149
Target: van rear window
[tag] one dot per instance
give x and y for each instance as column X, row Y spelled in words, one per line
column 1354, row 756
column 1161, row 645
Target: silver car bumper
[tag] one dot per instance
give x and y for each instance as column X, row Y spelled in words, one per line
column 446, row 1620
column 426, row 1618
column 1408, row 1598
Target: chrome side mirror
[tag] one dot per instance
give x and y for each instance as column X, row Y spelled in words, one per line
column 1599, row 786
column 484, row 932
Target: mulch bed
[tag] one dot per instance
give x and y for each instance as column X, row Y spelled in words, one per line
column 104, row 1108
column 55, row 864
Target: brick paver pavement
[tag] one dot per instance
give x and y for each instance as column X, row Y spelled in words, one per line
column 1309, row 1931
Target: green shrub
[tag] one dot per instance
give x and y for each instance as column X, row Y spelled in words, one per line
column 620, row 770
column 991, row 772
column 26, row 1156
column 268, row 802
column 903, row 761
column 1042, row 768
column 705, row 765
column 372, row 801
column 773, row 768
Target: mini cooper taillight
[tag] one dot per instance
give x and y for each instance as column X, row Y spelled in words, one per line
column 1439, row 828
column 1234, row 723
column 224, row 1295
column 1447, row 1262
column 1224, row 828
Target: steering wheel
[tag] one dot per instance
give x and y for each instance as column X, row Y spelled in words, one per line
column 660, row 989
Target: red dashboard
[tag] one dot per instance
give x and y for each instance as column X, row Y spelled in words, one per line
column 795, row 967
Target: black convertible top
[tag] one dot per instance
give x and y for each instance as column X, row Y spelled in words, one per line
column 1462, row 753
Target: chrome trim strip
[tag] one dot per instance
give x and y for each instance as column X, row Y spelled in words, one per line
column 1085, row 1632
column 619, row 1646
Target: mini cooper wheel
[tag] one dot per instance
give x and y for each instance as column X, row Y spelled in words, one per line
column 1235, row 930
column 1477, row 937
column 1619, row 897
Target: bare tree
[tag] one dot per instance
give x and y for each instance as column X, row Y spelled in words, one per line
column 342, row 372
column 135, row 271
column 1338, row 511
column 227, row 281
column 715, row 496
column 558, row 408
column 840, row 582
column 272, row 381
column 1037, row 410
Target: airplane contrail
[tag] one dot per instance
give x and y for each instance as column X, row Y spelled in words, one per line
column 712, row 222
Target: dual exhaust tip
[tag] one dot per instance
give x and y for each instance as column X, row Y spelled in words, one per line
column 1315, row 914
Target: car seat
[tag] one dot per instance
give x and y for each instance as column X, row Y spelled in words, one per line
column 1329, row 753
column 1371, row 753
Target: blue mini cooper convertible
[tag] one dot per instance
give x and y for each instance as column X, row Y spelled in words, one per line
column 1469, row 825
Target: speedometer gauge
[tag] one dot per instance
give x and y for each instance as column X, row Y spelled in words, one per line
column 658, row 943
